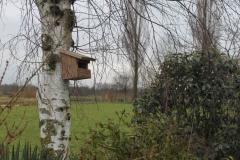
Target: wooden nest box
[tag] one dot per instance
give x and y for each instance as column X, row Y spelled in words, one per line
column 75, row 66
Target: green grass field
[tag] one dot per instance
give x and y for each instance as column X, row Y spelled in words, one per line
column 84, row 116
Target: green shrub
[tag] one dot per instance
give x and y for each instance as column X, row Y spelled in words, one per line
column 152, row 140
column 201, row 92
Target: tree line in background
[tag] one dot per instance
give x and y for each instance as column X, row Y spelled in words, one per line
column 10, row 89
column 119, row 90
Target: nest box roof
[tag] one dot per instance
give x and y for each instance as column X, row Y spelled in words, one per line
column 76, row 55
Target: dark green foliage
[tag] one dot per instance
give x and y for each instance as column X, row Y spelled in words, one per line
column 200, row 91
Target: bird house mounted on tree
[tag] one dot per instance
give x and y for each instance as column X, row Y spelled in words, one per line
column 75, row 66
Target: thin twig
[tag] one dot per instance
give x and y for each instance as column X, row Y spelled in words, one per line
column 4, row 72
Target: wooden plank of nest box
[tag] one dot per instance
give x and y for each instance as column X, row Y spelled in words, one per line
column 76, row 55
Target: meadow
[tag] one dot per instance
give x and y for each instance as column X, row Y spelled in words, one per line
column 84, row 117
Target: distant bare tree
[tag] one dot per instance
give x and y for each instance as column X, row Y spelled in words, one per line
column 205, row 24
column 135, row 39
column 122, row 82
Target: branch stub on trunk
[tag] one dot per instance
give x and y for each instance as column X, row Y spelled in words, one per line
column 70, row 19
column 56, row 11
column 47, row 42
column 52, row 60
column 55, row 1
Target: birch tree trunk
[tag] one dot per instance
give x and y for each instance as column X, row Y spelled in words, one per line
column 57, row 20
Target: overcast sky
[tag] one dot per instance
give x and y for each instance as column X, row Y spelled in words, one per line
column 9, row 26
column 11, row 21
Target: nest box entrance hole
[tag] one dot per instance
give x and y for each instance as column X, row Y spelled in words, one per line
column 83, row 64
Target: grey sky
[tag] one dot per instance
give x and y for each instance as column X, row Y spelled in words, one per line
column 11, row 21
column 9, row 26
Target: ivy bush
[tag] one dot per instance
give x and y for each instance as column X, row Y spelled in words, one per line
column 200, row 91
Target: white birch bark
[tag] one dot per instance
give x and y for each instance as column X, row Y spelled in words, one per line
column 57, row 18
